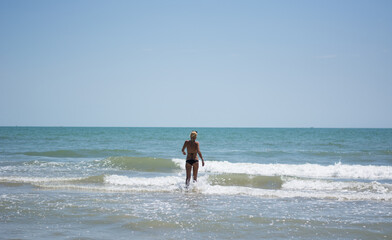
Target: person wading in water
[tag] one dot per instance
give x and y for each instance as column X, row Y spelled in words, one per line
column 192, row 160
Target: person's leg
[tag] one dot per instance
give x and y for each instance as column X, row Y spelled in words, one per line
column 195, row 170
column 188, row 169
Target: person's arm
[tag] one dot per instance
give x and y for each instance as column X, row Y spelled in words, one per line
column 201, row 156
column 183, row 148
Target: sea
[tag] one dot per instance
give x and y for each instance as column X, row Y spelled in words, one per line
column 257, row 183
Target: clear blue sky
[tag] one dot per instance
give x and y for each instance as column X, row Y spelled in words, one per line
column 202, row 63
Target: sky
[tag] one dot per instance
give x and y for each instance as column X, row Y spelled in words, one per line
column 196, row 63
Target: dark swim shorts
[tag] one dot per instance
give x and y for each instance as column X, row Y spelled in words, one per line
column 192, row 161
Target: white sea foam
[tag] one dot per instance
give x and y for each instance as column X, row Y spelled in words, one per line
column 36, row 179
column 143, row 181
column 323, row 185
column 267, row 193
column 292, row 187
column 337, row 170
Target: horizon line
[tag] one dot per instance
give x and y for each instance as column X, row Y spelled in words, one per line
column 70, row 126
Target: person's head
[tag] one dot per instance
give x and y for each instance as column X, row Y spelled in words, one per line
column 193, row 135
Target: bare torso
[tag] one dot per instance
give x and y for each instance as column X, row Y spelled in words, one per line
column 192, row 148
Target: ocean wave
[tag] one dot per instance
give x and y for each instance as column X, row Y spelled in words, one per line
column 265, row 182
column 272, row 193
column 53, row 180
column 81, row 153
column 221, row 184
column 245, row 180
column 91, row 179
column 144, row 164
column 45, row 163
column 265, row 153
column 160, row 182
column 116, row 183
column 32, row 180
column 346, row 186
column 290, row 189
column 338, row 170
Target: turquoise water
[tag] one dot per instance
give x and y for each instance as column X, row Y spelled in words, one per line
column 105, row 183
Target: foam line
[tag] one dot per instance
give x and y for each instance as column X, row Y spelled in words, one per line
column 338, row 170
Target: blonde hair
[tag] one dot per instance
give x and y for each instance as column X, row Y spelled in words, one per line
column 193, row 135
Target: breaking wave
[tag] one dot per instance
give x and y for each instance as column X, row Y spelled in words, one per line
column 144, row 164
column 245, row 180
column 219, row 184
column 336, row 171
column 129, row 174
column 81, row 153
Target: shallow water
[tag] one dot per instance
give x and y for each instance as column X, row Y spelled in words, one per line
column 104, row 183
